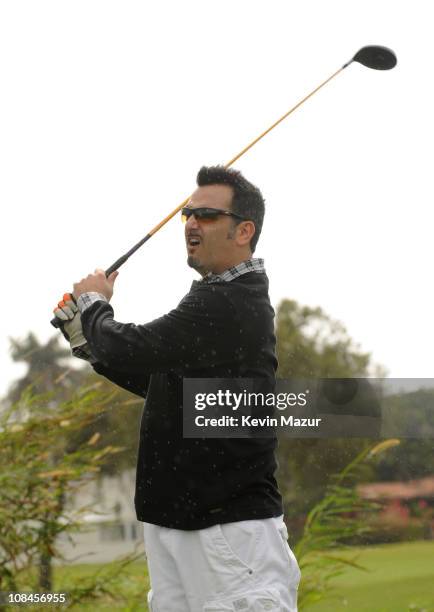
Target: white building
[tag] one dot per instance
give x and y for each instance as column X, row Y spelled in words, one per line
column 110, row 527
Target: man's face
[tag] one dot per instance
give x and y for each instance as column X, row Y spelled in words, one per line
column 216, row 237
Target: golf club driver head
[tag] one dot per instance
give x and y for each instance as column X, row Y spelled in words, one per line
column 376, row 57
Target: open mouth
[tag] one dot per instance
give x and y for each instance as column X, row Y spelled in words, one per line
column 193, row 241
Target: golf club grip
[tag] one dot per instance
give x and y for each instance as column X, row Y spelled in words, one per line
column 118, row 263
column 57, row 323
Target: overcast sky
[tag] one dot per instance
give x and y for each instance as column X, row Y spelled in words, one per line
column 108, row 109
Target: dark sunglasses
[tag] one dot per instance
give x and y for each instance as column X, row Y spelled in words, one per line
column 207, row 214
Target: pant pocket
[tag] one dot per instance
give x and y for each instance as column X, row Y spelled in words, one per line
column 239, row 543
column 294, row 568
column 261, row 600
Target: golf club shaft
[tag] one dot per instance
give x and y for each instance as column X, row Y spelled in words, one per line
column 234, row 159
column 124, row 258
column 120, row 262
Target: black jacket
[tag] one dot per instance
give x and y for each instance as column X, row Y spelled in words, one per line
column 219, row 330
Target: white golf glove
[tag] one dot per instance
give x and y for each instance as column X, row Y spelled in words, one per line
column 68, row 314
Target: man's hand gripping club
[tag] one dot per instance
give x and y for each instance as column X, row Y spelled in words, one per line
column 69, row 316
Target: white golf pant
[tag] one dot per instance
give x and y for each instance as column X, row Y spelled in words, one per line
column 245, row 566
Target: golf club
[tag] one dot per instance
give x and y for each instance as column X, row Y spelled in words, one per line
column 373, row 56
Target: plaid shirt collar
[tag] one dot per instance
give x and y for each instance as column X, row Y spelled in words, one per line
column 251, row 265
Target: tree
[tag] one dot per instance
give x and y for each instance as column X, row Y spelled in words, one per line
column 41, row 473
column 410, row 412
column 48, row 375
column 49, row 369
column 310, row 344
column 46, row 370
column 45, row 374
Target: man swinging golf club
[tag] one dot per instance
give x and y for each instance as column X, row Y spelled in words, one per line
column 215, row 538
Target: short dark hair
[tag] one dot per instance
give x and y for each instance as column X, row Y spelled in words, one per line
column 247, row 200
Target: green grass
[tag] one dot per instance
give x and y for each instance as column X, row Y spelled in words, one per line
column 132, row 586
column 400, row 578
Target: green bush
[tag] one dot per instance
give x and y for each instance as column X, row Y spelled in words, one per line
column 46, row 460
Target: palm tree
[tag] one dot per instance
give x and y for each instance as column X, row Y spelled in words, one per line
column 45, row 370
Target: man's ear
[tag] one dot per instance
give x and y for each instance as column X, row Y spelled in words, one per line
column 245, row 232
